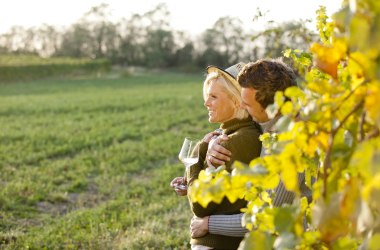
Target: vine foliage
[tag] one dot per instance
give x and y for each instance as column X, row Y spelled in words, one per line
column 330, row 131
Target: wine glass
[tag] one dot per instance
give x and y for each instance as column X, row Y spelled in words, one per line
column 189, row 154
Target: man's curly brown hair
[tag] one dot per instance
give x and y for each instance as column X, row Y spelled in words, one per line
column 267, row 76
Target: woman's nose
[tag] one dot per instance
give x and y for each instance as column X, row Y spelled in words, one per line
column 206, row 103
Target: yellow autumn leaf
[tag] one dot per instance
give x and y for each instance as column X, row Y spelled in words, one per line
column 286, row 136
column 311, row 147
column 366, row 60
column 294, row 92
column 327, row 57
column 252, row 194
column 203, row 198
column 322, row 139
column 272, row 163
column 289, row 178
column 287, row 108
column 236, row 190
column 372, row 186
column 319, row 87
column 371, row 102
column 329, row 220
column 289, row 167
column 203, row 176
column 350, row 197
column 271, row 181
column 266, row 197
column 279, row 98
column 355, row 68
column 266, row 220
column 300, row 140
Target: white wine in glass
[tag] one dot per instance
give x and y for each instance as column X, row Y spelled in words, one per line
column 188, row 155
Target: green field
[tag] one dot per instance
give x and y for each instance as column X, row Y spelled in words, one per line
column 86, row 164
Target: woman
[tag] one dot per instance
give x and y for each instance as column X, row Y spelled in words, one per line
column 221, row 93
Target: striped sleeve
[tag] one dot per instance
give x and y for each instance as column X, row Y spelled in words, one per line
column 284, row 196
column 228, row 225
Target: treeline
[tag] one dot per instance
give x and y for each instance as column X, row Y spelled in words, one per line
column 148, row 40
column 28, row 67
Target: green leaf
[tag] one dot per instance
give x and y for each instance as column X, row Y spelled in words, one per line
column 287, row 53
column 272, row 110
column 359, row 32
column 346, row 243
column 283, row 123
column 259, row 169
column 342, row 18
column 285, row 241
column 283, row 219
column 374, row 242
column 257, row 240
column 294, row 92
column 305, row 59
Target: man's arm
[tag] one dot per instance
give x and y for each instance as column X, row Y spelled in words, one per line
column 216, row 154
column 282, row 195
column 228, row 225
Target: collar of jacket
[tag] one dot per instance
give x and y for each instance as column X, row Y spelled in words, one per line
column 235, row 124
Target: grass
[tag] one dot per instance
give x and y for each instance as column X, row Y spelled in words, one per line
column 86, row 163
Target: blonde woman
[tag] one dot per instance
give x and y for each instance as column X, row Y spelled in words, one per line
column 222, row 98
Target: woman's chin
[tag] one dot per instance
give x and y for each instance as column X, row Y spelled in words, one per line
column 211, row 120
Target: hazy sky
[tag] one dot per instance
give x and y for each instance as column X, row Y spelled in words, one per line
column 193, row 16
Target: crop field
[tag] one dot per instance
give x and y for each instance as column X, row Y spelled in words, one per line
column 86, row 163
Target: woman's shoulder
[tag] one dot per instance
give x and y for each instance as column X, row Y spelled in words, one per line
column 251, row 128
column 244, row 136
column 244, row 143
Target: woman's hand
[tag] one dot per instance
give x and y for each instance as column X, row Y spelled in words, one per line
column 179, row 185
column 198, row 227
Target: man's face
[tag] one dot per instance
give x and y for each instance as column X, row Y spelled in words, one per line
column 252, row 106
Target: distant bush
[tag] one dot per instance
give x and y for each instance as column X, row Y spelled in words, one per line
column 27, row 67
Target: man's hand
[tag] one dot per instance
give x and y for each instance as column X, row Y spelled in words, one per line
column 198, row 227
column 179, row 185
column 207, row 138
column 217, row 155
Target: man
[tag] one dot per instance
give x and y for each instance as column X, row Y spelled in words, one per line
column 260, row 81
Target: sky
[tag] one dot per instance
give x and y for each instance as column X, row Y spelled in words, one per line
column 192, row 16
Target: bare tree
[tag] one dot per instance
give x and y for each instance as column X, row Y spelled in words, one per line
column 223, row 43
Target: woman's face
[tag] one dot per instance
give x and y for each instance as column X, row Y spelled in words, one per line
column 220, row 106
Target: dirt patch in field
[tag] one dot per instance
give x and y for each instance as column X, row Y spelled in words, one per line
column 72, row 201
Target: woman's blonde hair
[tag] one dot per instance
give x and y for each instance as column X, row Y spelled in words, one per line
column 233, row 90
